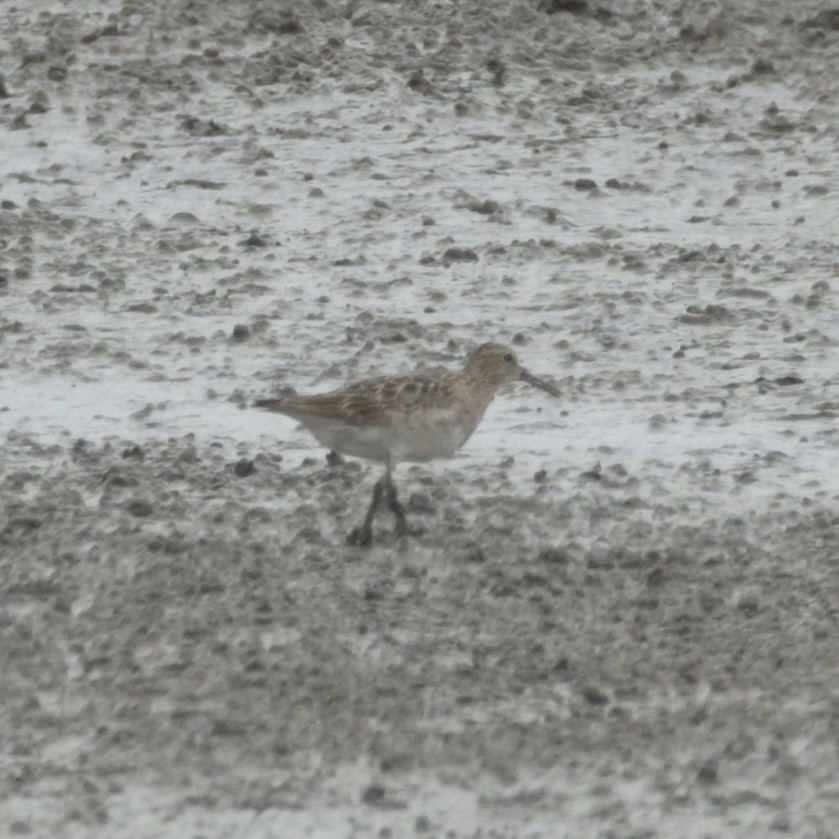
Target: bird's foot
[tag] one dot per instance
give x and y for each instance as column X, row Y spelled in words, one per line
column 334, row 458
column 360, row 536
column 404, row 529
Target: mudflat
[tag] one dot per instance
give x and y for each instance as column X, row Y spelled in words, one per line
column 620, row 618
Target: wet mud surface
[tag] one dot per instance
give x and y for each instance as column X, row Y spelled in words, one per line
column 621, row 616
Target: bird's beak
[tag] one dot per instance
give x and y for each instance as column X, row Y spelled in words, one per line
column 524, row 376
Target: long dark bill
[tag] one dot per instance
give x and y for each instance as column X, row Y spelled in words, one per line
column 524, row 376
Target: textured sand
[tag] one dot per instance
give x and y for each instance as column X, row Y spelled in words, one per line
column 622, row 618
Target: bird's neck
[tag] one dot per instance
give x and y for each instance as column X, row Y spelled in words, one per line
column 475, row 397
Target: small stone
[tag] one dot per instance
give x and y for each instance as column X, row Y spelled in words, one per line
column 593, row 474
column 762, row 66
column 244, row 467
column 134, row 453
column 553, row 556
column 655, row 577
column 142, row 308
column 708, row 773
column 748, row 605
column 573, row 7
column 254, row 241
column 289, row 27
column 418, row 82
column 373, row 795
column 38, row 105
column 188, row 455
column 486, row 207
column 584, row 184
column 595, row 696
column 139, row 507
column 460, row 255
column 241, row 332
column 825, row 19
column 475, row 555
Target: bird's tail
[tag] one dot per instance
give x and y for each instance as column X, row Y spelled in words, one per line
column 270, row 404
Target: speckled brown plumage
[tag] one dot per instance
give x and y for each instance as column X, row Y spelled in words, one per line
column 416, row 416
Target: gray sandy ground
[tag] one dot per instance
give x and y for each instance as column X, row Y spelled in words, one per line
column 621, row 619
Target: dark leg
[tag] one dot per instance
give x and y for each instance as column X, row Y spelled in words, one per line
column 396, row 508
column 363, row 534
column 402, row 526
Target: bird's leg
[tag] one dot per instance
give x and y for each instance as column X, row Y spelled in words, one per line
column 402, row 526
column 396, row 508
column 363, row 534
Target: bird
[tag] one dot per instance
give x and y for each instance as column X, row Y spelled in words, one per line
column 419, row 416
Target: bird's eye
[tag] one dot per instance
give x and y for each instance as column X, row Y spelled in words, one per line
column 509, row 358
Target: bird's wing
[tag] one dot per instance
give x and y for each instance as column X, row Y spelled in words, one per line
column 366, row 401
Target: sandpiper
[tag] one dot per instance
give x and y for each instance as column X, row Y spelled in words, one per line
column 417, row 416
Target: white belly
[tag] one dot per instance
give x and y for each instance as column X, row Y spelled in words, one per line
column 390, row 442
